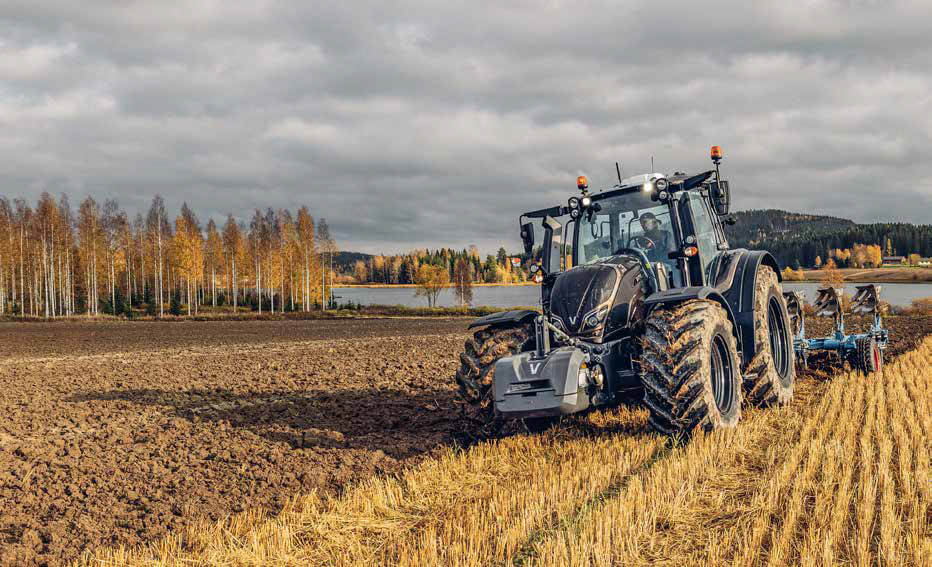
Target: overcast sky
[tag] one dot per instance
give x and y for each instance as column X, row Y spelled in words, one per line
column 417, row 124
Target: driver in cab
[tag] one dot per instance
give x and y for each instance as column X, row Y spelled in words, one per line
column 659, row 239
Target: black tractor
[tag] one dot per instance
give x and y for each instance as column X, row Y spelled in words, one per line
column 641, row 296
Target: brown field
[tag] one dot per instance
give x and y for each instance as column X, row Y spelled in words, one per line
column 121, row 433
column 288, row 442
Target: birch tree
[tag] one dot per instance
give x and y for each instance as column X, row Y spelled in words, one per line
column 159, row 233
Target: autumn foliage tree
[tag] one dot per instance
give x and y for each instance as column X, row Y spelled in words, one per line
column 431, row 280
column 56, row 261
column 462, row 281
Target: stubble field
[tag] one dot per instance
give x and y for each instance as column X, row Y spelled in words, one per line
column 297, row 443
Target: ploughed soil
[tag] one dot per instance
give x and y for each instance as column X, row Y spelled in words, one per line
column 118, row 433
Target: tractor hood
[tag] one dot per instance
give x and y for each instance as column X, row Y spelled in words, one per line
column 596, row 300
column 581, row 292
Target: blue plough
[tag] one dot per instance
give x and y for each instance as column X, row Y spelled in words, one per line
column 863, row 350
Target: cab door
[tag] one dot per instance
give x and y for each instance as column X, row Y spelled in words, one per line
column 707, row 235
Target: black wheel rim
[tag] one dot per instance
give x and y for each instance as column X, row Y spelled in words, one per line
column 779, row 345
column 722, row 374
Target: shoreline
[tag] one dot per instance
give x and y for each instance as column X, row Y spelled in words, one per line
column 888, row 275
column 862, row 281
column 413, row 286
column 529, row 284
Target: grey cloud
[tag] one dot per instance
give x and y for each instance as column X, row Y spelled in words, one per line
column 424, row 124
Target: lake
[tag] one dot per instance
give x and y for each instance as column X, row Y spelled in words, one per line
column 514, row 295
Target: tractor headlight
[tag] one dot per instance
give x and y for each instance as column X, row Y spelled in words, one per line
column 574, row 213
column 662, row 184
column 594, row 319
column 586, row 201
column 583, row 376
column 598, row 375
column 574, row 203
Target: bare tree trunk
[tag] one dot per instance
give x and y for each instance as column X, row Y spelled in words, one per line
column 22, row 276
column 234, row 284
column 258, row 283
column 112, row 286
column 161, row 302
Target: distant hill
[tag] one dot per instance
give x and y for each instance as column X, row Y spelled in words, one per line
column 796, row 239
column 772, row 224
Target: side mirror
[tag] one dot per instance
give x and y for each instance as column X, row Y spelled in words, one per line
column 527, row 236
column 721, row 197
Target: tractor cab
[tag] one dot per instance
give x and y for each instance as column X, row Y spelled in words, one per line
column 672, row 224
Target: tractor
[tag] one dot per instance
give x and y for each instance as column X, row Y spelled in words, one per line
column 640, row 295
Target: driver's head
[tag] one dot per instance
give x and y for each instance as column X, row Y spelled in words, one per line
column 649, row 222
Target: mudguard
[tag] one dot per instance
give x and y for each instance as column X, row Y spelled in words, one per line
column 738, row 290
column 681, row 294
column 505, row 317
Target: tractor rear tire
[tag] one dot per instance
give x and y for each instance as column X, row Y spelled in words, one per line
column 769, row 377
column 869, row 357
column 691, row 369
column 477, row 365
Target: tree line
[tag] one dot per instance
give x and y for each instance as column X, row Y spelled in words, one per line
column 55, row 261
column 405, row 268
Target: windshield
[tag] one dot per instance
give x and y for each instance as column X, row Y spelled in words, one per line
column 631, row 220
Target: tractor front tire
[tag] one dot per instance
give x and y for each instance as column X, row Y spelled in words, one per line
column 477, row 365
column 769, row 377
column 691, row 369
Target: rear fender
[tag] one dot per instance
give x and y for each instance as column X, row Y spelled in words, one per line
column 513, row 317
column 740, row 294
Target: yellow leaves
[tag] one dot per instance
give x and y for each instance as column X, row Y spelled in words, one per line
column 860, row 255
column 187, row 249
column 431, row 280
column 831, row 275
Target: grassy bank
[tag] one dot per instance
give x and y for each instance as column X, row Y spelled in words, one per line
column 362, row 312
column 918, row 307
column 382, row 286
column 876, row 275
